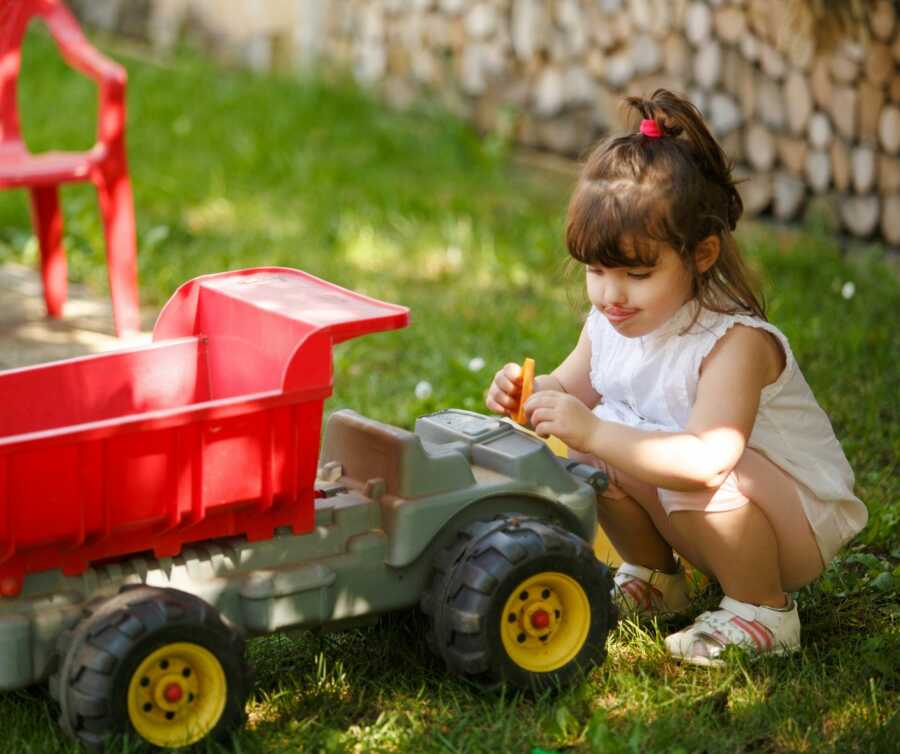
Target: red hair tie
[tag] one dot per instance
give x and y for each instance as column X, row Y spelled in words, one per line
column 650, row 129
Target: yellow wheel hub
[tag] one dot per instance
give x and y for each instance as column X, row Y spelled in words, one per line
column 177, row 695
column 545, row 622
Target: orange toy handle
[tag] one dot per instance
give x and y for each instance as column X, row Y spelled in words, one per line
column 527, row 389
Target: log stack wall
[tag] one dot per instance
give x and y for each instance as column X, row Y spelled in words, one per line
column 806, row 125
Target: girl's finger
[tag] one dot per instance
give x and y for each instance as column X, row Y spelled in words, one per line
column 507, row 385
column 542, row 429
column 496, row 408
column 501, row 397
column 541, row 398
column 496, row 399
column 535, row 404
column 505, row 401
column 512, row 372
column 539, row 416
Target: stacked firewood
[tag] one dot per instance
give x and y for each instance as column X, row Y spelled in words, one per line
column 806, row 122
column 801, row 122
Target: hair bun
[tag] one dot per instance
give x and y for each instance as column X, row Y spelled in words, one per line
column 669, row 128
column 677, row 116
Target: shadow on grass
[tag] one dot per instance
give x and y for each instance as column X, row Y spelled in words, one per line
column 378, row 688
column 378, row 685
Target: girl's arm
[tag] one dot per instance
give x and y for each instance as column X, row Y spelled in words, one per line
column 732, row 376
column 573, row 375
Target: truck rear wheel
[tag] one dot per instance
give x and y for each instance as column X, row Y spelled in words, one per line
column 155, row 665
column 521, row 601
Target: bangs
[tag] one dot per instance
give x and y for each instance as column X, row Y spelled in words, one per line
column 613, row 224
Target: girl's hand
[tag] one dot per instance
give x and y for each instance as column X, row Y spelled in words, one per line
column 551, row 412
column 503, row 394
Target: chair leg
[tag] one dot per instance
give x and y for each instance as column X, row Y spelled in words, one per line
column 48, row 222
column 117, row 208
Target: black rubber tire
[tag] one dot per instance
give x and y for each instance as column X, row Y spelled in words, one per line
column 97, row 659
column 472, row 579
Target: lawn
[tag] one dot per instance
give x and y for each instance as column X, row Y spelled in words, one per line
column 232, row 170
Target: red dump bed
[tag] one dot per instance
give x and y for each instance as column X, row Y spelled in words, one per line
column 210, row 431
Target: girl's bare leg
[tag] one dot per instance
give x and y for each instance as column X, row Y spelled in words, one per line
column 635, row 522
column 762, row 548
column 620, row 522
column 633, row 533
column 740, row 549
column 631, row 529
column 756, row 552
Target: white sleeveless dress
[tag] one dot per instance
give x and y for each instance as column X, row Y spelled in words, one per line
column 650, row 383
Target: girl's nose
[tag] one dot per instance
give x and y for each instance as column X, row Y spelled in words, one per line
column 614, row 294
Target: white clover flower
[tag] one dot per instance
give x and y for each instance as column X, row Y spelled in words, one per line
column 476, row 364
column 848, row 290
column 423, row 390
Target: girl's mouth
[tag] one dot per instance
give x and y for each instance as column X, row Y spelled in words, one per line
column 616, row 315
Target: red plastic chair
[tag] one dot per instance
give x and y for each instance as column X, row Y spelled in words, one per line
column 104, row 164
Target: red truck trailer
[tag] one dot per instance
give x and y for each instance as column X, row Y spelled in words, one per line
column 211, row 431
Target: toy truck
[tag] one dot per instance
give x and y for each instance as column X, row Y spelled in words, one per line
column 161, row 503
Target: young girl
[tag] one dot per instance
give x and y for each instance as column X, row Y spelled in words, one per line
column 688, row 397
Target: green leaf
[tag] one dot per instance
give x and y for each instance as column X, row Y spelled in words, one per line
column 883, row 582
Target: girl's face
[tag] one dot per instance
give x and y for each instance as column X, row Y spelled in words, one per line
column 637, row 300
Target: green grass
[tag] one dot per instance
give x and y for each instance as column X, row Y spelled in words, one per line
column 231, row 170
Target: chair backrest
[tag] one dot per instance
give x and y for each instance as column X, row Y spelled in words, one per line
column 14, row 18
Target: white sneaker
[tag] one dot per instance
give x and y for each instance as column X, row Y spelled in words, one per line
column 642, row 592
column 763, row 630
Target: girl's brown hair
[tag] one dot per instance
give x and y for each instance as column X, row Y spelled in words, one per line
column 676, row 189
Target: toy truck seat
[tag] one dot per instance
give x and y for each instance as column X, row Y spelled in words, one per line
column 211, row 431
column 368, row 449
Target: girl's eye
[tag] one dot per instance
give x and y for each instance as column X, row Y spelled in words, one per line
column 639, row 275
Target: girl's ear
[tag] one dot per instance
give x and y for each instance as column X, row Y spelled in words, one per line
column 706, row 253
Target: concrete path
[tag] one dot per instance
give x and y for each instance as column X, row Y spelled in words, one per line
column 28, row 336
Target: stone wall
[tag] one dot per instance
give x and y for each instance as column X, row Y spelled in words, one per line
column 808, row 125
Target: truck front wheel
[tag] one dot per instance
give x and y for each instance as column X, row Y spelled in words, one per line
column 521, row 601
column 157, row 665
